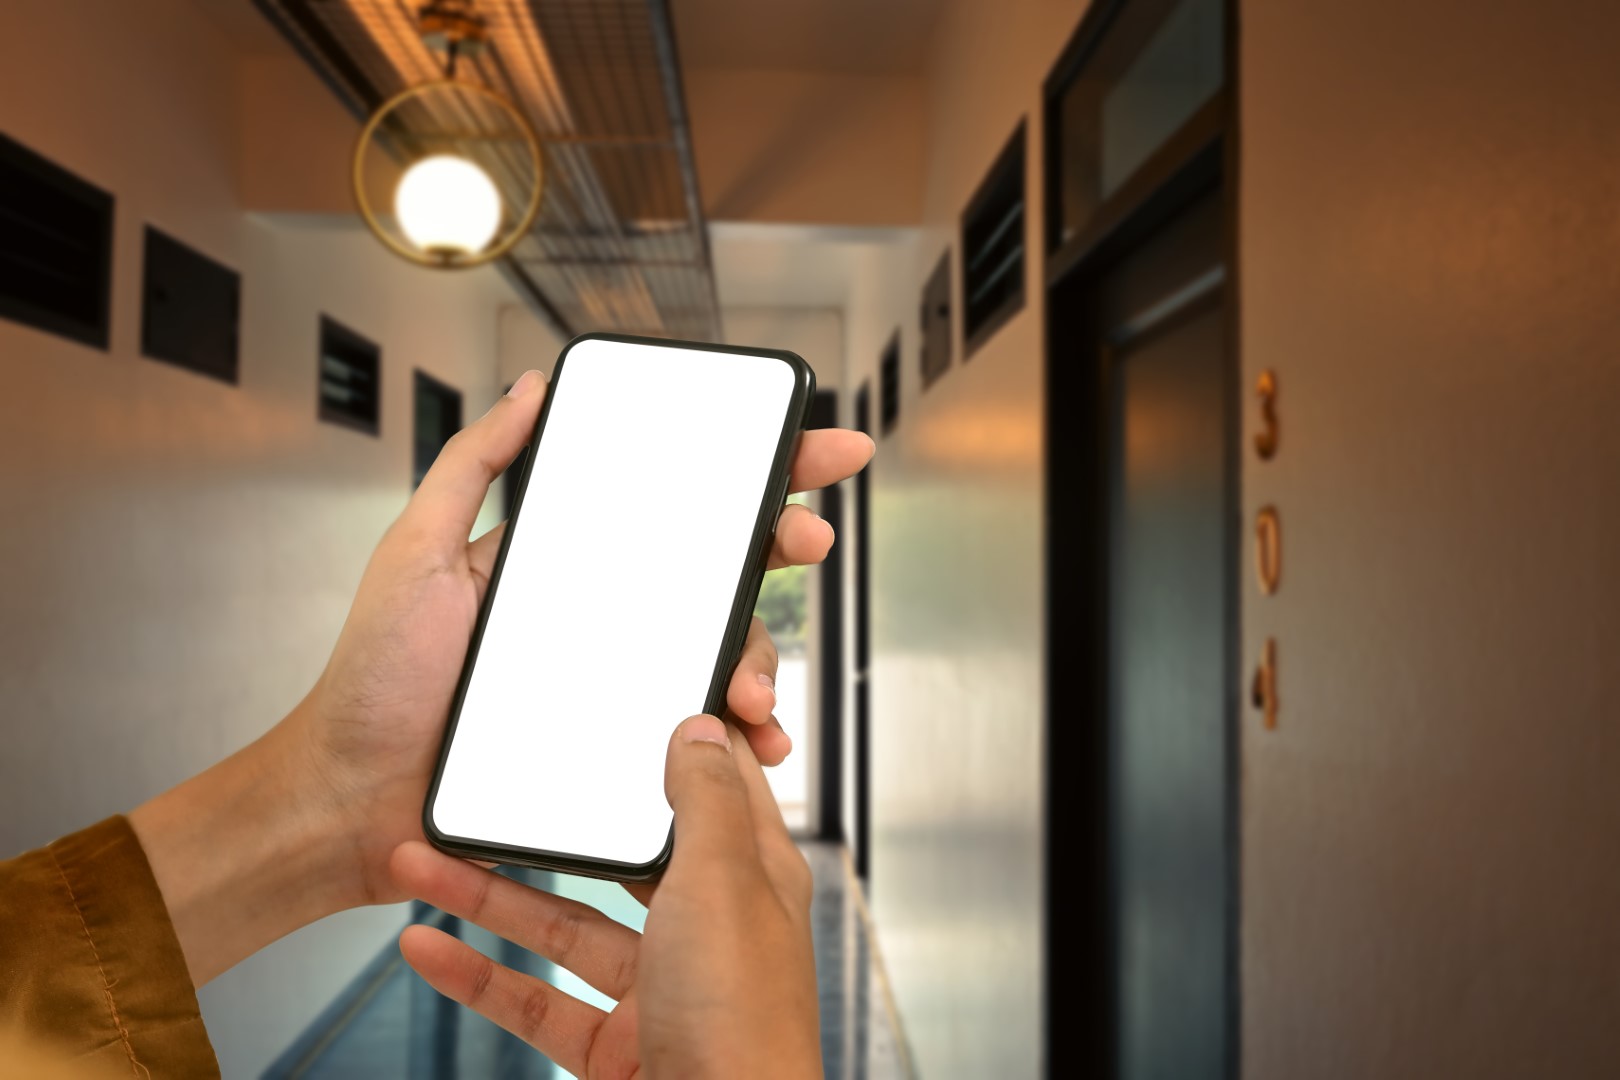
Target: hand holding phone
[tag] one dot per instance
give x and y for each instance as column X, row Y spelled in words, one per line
column 301, row 823
column 554, row 750
column 722, row 982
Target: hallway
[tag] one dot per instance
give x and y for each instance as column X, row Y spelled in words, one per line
column 389, row 1023
column 1212, row 673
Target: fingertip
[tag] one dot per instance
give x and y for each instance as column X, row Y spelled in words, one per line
column 770, row 744
column 703, row 728
column 805, row 538
column 414, row 940
column 429, row 951
column 527, row 383
column 752, row 696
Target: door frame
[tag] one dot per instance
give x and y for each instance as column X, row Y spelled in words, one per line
column 828, row 778
column 1078, row 998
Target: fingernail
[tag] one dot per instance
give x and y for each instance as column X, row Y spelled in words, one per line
column 768, row 683
column 524, row 384
column 705, row 729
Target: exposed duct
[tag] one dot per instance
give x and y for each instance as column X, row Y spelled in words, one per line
column 620, row 242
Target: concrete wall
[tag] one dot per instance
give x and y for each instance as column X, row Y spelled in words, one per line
column 957, row 680
column 294, row 140
column 1430, row 255
column 178, row 554
column 808, row 147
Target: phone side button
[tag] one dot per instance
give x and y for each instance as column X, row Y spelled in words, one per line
column 781, row 508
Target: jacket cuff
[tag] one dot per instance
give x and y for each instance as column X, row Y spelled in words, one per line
column 128, row 950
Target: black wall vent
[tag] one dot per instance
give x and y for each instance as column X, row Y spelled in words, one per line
column 350, row 378
column 190, row 308
column 437, row 410
column 936, row 322
column 993, row 247
column 55, row 247
column 889, row 386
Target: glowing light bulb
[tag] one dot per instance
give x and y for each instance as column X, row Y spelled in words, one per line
column 446, row 205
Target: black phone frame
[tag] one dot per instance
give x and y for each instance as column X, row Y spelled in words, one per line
column 772, row 501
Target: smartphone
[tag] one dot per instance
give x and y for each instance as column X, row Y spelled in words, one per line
column 619, row 600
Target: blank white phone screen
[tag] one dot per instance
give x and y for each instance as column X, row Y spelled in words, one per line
column 614, row 599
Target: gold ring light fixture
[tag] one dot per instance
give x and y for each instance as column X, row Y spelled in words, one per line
column 471, row 179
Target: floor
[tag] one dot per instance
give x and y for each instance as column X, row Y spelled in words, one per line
column 391, row 1024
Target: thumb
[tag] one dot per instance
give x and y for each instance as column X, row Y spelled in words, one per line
column 706, row 791
column 447, row 503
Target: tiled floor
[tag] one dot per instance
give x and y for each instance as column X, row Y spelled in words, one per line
column 396, row 1026
column 858, row 1039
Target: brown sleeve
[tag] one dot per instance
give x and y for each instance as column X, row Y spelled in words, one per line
column 89, row 961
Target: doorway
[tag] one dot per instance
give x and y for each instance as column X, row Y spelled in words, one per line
column 829, row 631
column 1169, row 631
column 1151, row 330
column 1142, row 551
column 860, row 836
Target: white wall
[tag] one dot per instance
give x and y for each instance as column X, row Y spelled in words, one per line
column 817, row 335
column 792, row 286
column 1430, row 246
column 957, row 681
column 524, row 342
column 178, row 554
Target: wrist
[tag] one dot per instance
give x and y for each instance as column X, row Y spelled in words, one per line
column 326, row 806
column 248, row 851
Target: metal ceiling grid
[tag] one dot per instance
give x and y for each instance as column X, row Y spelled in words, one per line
column 621, row 242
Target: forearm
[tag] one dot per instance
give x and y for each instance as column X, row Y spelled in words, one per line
column 247, row 852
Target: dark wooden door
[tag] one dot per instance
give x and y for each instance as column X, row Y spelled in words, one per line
column 1162, row 345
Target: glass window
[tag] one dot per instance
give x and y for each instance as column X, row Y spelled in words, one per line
column 1157, row 64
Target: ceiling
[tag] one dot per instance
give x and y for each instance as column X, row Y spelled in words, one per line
column 248, row 31
column 620, row 242
column 865, row 37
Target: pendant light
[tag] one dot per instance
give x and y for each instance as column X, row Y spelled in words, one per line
column 456, row 137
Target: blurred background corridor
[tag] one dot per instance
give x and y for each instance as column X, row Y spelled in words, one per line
column 1217, row 671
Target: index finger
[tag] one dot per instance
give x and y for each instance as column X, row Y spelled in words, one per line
column 828, row 455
